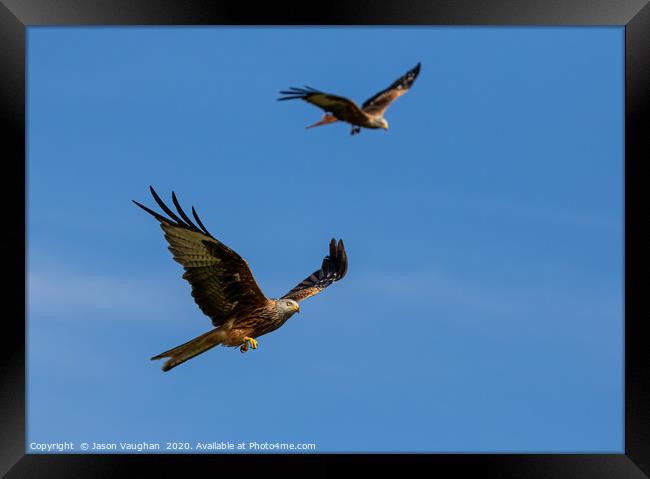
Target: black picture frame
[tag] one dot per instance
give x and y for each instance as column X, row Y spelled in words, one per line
column 17, row 15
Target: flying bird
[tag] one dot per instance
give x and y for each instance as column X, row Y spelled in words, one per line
column 224, row 288
column 371, row 113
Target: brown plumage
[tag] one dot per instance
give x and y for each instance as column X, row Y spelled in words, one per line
column 369, row 115
column 224, row 288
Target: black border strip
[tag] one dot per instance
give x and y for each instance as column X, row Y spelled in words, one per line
column 637, row 152
column 356, row 12
column 12, row 241
column 15, row 15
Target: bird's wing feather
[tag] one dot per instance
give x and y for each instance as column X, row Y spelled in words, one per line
column 221, row 280
column 341, row 107
column 377, row 104
column 334, row 268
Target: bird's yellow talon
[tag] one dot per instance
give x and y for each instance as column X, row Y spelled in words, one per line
column 252, row 341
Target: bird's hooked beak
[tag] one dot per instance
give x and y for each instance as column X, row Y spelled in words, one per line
column 297, row 308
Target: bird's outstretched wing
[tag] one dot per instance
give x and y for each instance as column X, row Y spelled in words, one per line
column 221, row 279
column 376, row 105
column 341, row 107
column 334, row 267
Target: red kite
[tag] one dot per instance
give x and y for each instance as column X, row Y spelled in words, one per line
column 225, row 290
column 371, row 113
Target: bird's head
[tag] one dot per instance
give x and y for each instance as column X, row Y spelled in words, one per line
column 289, row 306
column 384, row 123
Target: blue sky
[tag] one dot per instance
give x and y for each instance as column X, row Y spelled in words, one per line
column 482, row 311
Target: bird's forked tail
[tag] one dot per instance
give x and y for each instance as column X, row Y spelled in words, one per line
column 188, row 350
column 326, row 120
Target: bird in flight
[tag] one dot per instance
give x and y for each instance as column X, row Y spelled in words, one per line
column 224, row 288
column 371, row 113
